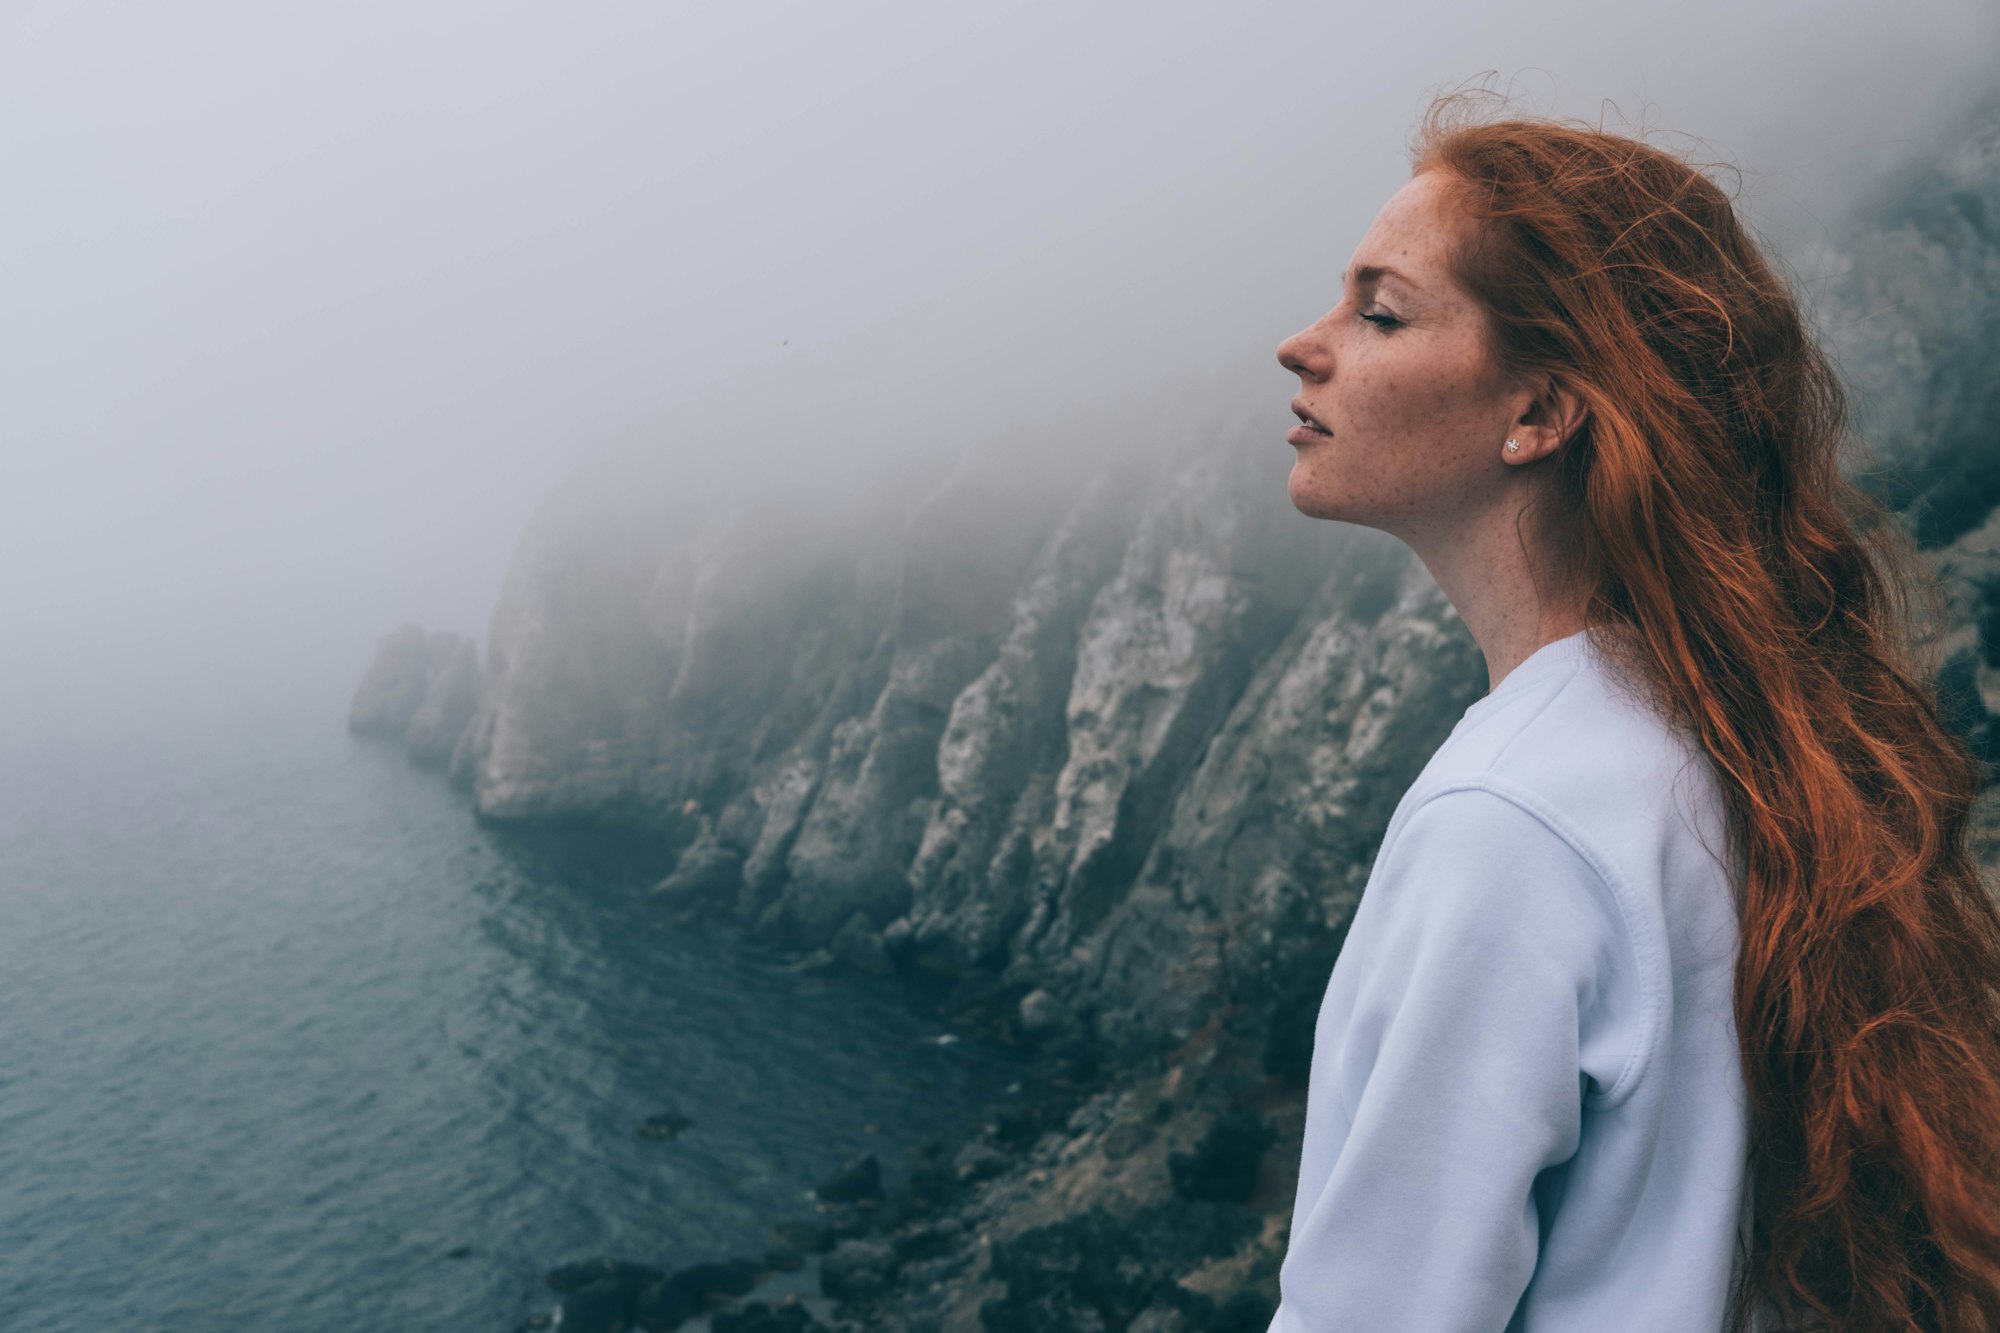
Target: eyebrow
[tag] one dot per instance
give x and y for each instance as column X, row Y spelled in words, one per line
column 1373, row 272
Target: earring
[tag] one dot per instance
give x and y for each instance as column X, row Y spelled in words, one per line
column 1513, row 446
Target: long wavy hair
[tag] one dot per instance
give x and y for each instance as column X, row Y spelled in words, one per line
column 1779, row 614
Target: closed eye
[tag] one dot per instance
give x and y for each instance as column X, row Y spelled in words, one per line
column 1384, row 322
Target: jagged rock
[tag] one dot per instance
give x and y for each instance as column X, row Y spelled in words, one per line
column 979, row 1161
column 1004, row 738
column 859, row 1179
column 1224, row 1162
column 859, row 945
column 1041, row 1013
column 394, row 686
column 1914, row 319
column 678, row 1297
column 811, row 1234
column 664, row 1306
column 924, row 1242
column 758, row 1317
column 707, row 874
column 729, row 1277
column 783, row 1258
column 1097, row 1270
column 857, row 1269
column 959, row 566
column 450, row 701
column 601, row 1307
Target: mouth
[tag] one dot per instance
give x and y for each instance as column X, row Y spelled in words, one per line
column 1309, row 426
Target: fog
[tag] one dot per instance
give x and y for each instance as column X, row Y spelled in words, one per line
column 308, row 305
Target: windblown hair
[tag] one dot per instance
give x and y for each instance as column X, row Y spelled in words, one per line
column 1769, row 607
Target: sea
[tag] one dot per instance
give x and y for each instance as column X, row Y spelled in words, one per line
column 288, row 1040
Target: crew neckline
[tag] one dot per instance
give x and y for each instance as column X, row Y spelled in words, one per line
column 1544, row 661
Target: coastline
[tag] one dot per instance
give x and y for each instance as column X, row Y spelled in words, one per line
column 1154, row 1196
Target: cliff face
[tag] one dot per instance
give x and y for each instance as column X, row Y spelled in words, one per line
column 1118, row 743
column 1112, row 745
column 1917, row 321
column 421, row 690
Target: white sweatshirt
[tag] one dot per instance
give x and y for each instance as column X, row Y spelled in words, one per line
column 1525, row 1111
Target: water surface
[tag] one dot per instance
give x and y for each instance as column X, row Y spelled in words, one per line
column 282, row 1028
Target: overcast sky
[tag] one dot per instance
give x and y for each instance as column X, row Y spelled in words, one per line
column 307, row 304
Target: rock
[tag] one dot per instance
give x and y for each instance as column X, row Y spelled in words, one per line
column 757, row 1317
column 685, row 1293
column 664, row 1306
column 783, row 1258
column 450, row 700
column 1040, row 1013
column 708, row 874
column 566, row 1278
column 860, row 946
column 601, row 1307
column 1126, row 1137
column 819, row 960
column 1243, row 1312
column 979, row 1161
column 394, row 686
column 858, row 1220
column 814, row 1235
column 666, row 1124
column 958, row 560
column 1099, row 1270
column 1224, row 1163
column 861, row 1178
column 857, row 1269
column 923, row 1242
column 731, row 1277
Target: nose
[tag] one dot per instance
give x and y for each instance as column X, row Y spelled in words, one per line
column 1305, row 354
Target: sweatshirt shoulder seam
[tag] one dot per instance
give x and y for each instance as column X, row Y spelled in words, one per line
column 1652, row 998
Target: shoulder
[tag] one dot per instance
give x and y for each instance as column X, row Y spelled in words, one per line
column 1485, row 870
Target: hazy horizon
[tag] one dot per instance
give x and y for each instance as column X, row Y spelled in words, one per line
column 309, row 309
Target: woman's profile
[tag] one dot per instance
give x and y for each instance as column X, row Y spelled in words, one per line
column 1673, row 999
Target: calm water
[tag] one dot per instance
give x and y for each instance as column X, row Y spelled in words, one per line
column 281, row 1027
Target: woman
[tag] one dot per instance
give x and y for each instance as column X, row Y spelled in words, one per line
column 1671, row 1001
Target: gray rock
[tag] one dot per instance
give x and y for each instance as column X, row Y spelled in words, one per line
column 450, row 700
column 1041, row 1013
column 395, row 684
column 857, row 1269
column 707, row 874
column 859, row 945
column 859, row 1179
column 979, row 1161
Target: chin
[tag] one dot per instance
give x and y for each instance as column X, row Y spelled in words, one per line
column 1306, row 502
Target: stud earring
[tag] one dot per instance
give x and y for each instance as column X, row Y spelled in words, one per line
column 1513, row 446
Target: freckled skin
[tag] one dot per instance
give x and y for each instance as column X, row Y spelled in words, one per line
column 1420, row 415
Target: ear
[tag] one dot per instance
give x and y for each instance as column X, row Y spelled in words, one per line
column 1552, row 417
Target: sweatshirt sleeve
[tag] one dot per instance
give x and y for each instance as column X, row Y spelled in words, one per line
column 1483, row 991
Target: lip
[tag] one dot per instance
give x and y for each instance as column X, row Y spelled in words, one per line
column 1304, row 432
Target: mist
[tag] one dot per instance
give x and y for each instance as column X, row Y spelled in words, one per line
column 307, row 307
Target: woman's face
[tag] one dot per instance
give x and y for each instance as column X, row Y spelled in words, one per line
column 1401, row 376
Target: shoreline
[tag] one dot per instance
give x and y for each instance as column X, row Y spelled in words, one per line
column 1153, row 1195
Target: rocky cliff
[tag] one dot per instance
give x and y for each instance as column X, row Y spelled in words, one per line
column 1114, row 747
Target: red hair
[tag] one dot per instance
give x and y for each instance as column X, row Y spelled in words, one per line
column 1769, row 606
